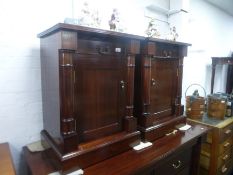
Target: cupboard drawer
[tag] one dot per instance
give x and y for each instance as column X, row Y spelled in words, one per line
column 164, row 50
column 98, row 46
column 226, row 145
column 204, row 162
column 206, row 147
column 174, row 164
column 226, row 132
column 223, row 159
column 225, row 168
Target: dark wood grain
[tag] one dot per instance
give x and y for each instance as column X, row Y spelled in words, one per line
column 90, row 78
column 88, row 92
column 146, row 161
column 158, row 87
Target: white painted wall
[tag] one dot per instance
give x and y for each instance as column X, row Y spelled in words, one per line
column 210, row 33
column 20, row 83
column 20, row 80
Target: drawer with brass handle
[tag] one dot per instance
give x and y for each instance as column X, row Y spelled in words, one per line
column 226, row 132
column 225, row 146
column 175, row 163
column 222, row 161
column 224, row 169
column 206, row 147
column 224, row 158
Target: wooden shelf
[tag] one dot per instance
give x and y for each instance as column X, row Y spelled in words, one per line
column 163, row 10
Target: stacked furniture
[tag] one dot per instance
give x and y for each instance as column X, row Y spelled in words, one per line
column 216, row 152
column 104, row 92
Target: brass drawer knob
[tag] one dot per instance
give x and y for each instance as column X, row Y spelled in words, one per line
column 226, row 144
column 228, row 131
column 225, row 157
column 177, row 164
column 224, row 169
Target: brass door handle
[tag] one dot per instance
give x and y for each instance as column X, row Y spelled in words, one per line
column 153, row 82
column 122, row 84
column 177, row 164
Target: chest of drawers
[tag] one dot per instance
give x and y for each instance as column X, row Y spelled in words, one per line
column 216, row 151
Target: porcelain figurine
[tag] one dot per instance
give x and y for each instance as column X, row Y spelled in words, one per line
column 152, row 30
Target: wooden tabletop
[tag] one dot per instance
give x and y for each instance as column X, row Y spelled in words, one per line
column 6, row 163
column 40, row 165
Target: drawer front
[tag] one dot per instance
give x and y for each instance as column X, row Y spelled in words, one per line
column 204, row 162
column 223, row 159
column 226, row 132
column 226, row 145
column 165, row 50
column 174, row 164
column 224, row 169
column 98, row 46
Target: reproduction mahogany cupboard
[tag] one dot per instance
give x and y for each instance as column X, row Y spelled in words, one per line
column 158, row 87
column 104, row 91
column 87, row 87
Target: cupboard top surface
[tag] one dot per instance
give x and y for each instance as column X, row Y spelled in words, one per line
column 214, row 122
column 70, row 27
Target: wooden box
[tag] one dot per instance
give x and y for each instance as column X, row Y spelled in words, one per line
column 195, row 108
column 216, row 107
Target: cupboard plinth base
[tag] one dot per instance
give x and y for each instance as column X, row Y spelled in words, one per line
column 155, row 132
column 89, row 153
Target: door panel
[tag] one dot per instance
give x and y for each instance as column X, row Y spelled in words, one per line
column 163, row 86
column 100, row 96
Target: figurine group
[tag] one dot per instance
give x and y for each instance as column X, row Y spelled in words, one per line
column 152, row 30
column 173, row 35
column 89, row 17
column 114, row 21
column 92, row 18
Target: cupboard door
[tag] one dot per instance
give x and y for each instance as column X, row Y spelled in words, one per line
column 163, row 86
column 100, row 93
